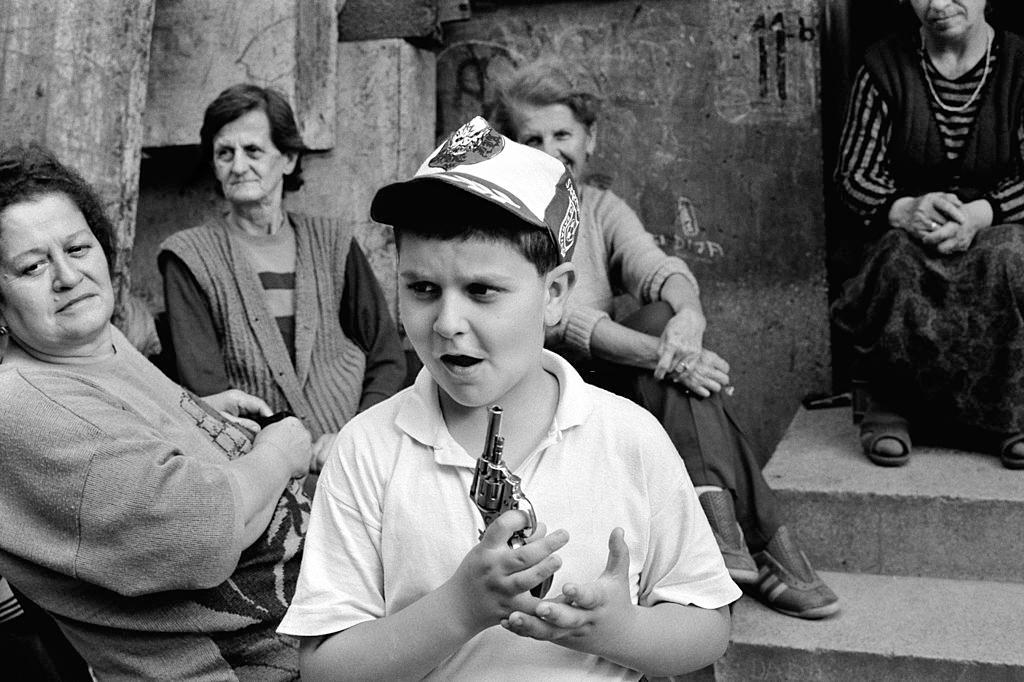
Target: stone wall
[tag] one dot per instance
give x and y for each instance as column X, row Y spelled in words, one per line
column 711, row 131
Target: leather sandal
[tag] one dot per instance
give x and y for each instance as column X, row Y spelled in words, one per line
column 877, row 425
column 1006, row 454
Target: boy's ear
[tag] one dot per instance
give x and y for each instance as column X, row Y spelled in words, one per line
column 560, row 283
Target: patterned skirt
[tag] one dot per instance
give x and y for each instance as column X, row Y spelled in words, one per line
column 940, row 339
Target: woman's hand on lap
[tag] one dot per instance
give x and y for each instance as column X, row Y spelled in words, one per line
column 956, row 236
column 703, row 373
column 233, row 404
column 922, row 215
column 953, row 237
column 292, row 440
column 680, row 341
column 237, row 403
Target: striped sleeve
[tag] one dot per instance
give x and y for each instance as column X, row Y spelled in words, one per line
column 863, row 176
column 1007, row 198
column 955, row 124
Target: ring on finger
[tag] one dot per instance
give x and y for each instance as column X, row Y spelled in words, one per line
column 682, row 367
column 933, row 224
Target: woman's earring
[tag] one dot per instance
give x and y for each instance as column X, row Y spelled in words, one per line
column 4, row 337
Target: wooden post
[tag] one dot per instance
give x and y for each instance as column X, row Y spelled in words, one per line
column 385, row 110
column 73, row 77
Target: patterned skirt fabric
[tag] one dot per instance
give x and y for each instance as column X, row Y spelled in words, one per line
column 942, row 337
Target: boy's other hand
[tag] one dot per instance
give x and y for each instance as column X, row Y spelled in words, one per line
column 494, row 579
column 584, row 617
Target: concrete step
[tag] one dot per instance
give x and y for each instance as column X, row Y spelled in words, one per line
column 946, row 514
column 890, row 628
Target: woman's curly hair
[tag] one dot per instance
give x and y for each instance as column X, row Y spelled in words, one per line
column 540, row 83
column 30, row 171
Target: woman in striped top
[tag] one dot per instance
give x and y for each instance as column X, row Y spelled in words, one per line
column 280, row 304
column 931, row 160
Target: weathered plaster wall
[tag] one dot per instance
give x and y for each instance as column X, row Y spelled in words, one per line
column 201, row 47
column 711, row 131
column 73, row 78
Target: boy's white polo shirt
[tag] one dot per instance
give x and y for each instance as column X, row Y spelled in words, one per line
column 392, row 519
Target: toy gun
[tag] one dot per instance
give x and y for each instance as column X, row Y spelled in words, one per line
column 495, row 490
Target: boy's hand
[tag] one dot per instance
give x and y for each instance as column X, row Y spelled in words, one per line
column 584, row 617
column 494, row 580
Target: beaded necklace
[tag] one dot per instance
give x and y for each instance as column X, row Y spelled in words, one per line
column 977, row 91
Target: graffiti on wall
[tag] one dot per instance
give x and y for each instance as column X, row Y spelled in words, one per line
column 671, row 76
column 647, row 59
column 687, row 239
column 767, row 56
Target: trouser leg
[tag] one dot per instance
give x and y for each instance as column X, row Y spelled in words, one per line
column 711, row 444
column 715, row 452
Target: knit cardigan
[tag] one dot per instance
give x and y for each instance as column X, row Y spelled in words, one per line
column 324, row 384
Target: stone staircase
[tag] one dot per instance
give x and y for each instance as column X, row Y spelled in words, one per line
column 928, row 560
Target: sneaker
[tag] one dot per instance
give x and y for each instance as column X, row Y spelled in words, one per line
column 718, row 508
column 787, row 583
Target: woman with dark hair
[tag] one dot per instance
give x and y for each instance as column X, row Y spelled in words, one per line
column 932, row 165
column 160, row 531
column 656, row 356
column 279, row 304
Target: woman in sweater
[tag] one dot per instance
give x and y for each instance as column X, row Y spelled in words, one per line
column 656, row 356
column 932, row 166
column 162, row 535
column 278, row 304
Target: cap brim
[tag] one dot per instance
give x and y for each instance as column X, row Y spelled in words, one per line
column 433, row 197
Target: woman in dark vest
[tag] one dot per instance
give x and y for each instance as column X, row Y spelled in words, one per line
column 931, row 160
column 279, row 304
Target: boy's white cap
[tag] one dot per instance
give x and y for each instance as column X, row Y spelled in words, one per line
column 477, row 159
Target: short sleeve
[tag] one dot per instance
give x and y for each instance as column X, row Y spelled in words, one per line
column 341, row 582
column 683, row 563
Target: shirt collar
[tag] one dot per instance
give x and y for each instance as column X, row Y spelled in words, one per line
column 421, row 419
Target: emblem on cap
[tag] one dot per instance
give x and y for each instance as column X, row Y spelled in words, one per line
column 570, row 223
column 474, row 142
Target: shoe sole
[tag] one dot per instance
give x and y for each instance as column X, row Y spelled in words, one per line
column 888, row 460
column 816, row 613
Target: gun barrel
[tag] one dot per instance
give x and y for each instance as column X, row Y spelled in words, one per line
column 493, row 446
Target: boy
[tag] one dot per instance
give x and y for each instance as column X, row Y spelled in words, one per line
column 396, row 580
